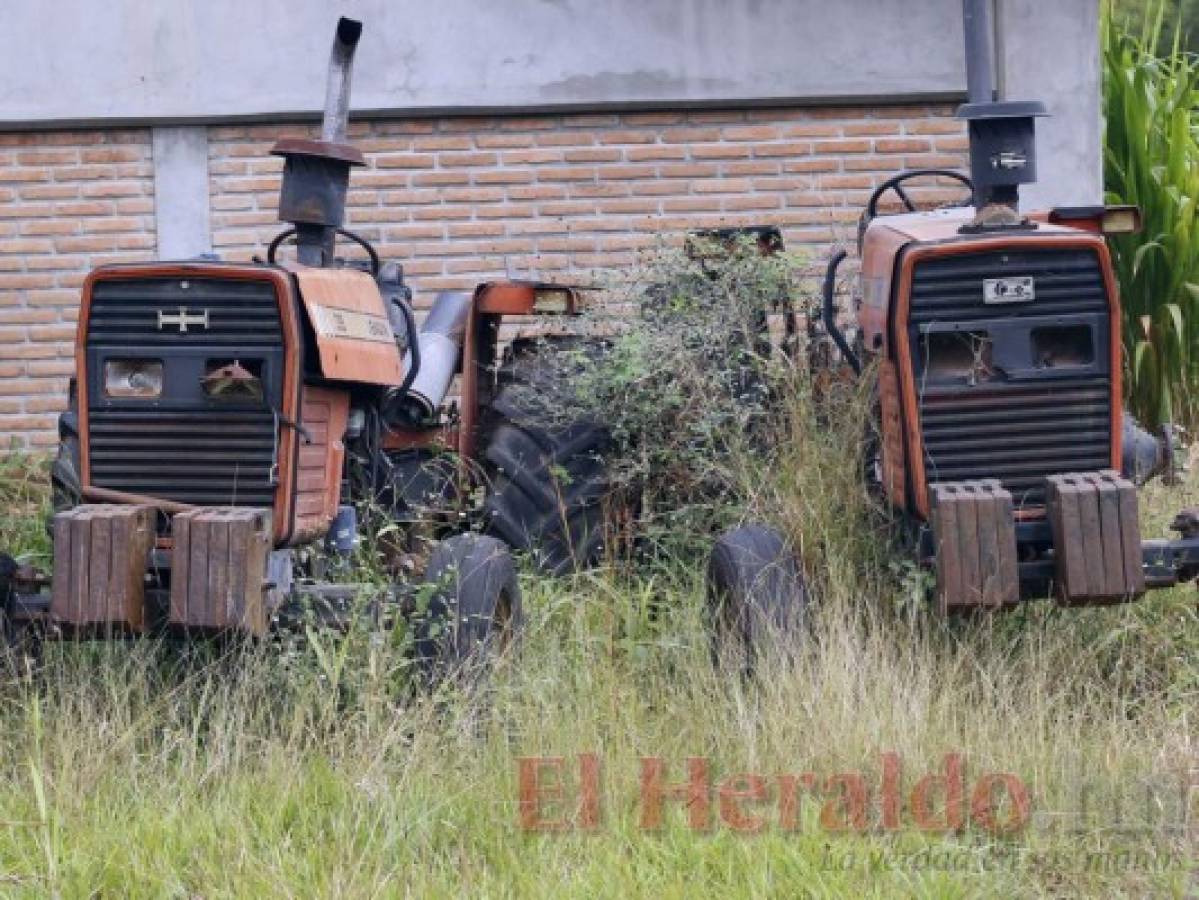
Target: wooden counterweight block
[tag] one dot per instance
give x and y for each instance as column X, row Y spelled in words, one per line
column 100, row 556
column 975, row 534
column 218, row 569
column 1096, row 538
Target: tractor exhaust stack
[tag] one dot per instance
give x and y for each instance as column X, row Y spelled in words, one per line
column 1002, row 136
column 316, row 174
column 337, row 87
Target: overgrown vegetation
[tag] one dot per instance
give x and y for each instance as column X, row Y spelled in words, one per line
column 1152, row 160
column 688, row 385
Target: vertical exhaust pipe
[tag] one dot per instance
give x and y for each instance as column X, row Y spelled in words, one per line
column 976, row 19
column 337, row 86
column 316, row 174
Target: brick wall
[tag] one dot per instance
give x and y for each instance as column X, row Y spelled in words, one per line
column 464, row 199
column 68, row 201
column 457, row 200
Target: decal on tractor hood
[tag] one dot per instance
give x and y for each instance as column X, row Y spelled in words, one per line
column 1009, row 290
column 330, row 322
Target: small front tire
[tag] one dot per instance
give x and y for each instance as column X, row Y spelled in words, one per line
column 474, row 613
column 757, row 598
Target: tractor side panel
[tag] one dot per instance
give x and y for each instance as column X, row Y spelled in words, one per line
column 881, row 246
column 891, row 423
column 323, row 415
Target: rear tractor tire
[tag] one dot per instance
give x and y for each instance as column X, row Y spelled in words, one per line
column 757, row 598
column 545, row 460
column 474, row 613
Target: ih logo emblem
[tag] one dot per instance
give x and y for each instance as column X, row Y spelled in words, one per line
column 182, row 319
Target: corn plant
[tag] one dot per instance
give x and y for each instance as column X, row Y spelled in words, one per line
column 1152, row 160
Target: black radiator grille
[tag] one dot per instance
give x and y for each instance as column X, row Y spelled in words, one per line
column 950, row 289
column 239, row 313
column 206, row 457
column 185, row 446
column 1018, row 431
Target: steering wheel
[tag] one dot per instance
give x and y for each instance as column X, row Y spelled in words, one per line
column 896, row 184
column 273, row 248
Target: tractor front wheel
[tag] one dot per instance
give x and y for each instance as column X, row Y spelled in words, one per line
column 474, row 613
column 756, row 595
column 65, row 485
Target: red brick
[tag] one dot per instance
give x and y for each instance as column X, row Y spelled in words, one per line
column 902, row 145
column 721, row 186
column 590, row 155
column 426, row 179
column 405, row 161
column 503, row 141
column 789, row 148
column 466, row 159
column 567, row 173
column 750, row 133
column 504, row 176
column 625, row 173
column 867, row 127
column 656, row 151
column 628, row 137
column 532, row 157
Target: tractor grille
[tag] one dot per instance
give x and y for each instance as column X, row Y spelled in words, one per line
column 184, row 447
column 1017, row 431
column 950, row 289
column 206, row 457
column 239, row 313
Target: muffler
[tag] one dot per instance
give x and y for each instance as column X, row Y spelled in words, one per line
column 439, row 346
column 316, row 174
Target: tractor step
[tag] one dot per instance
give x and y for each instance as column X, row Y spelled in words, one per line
column 1096, row 538
column 975, row 533
column 100, row 565
column 218, row 570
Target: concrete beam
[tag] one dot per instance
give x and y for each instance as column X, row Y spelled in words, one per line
column 220, row 60
column 181, row 191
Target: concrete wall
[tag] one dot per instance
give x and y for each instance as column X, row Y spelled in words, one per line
column 215, row 59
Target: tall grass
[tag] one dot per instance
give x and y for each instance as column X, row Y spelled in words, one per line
column 147, row 770
column 1151, row 159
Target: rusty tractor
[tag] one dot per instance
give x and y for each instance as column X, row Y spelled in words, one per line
column 1002, row 441
column 229, row 423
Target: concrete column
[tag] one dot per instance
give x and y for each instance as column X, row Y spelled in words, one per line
column 181, row 191
column 1049, row 51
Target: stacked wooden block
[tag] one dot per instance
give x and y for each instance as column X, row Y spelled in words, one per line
column 975, row 533
column 1096, row 537
column 100, row 566
column 218, row 568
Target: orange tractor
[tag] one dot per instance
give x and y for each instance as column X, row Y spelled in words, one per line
column 1001, row 441
column 228, row 421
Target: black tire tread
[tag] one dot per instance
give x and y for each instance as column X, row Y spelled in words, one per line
column 547, row 474
column 458, row 630
column 756, row 592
